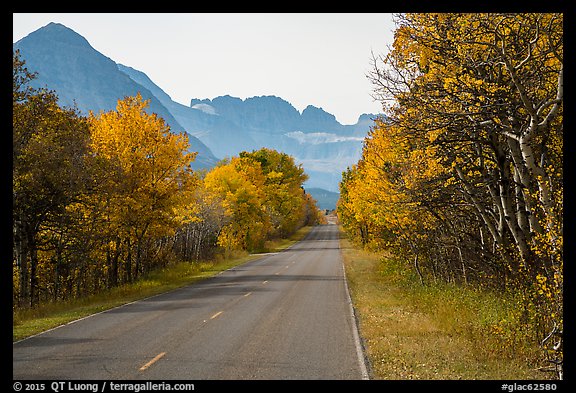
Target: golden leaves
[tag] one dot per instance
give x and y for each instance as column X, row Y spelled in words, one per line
column 261, row 192
column 152, row 176
column 471, row 151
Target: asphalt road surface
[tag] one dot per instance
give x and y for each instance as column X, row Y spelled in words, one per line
column 286, row 315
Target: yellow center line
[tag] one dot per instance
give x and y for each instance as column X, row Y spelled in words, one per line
column 151, row 362
column 215, row 315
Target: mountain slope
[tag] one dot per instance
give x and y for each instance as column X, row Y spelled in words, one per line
column 324, row 199
column 211, row 128
column 81, row 76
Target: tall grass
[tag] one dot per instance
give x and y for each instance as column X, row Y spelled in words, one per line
column 437, row 331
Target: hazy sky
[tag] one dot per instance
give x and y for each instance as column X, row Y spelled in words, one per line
column 305, row 58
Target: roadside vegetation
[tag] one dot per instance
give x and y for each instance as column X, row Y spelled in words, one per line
column 30, row 321
column 461, row 179
column 439, row 331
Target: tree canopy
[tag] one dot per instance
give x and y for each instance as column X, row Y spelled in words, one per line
column 464, row 174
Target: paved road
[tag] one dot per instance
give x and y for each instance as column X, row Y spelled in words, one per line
column 283, row 316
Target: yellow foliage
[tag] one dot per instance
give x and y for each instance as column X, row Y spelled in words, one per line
column 470, row 157
column 151, row 180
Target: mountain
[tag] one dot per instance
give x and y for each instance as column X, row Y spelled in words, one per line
column 314, row 137
column 81, row 76
column 325, row 200
column 218, row 128
column 210, row 128
column 229, row 125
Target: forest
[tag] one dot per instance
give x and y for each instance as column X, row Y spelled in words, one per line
column 462, row 177
column 101, row 200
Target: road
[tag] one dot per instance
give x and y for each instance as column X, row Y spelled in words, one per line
column 286, row 315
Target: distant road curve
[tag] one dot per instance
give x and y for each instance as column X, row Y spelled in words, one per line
column 286, row 315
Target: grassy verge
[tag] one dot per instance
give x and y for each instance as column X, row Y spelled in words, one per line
column 33, row 321
column 432, row 332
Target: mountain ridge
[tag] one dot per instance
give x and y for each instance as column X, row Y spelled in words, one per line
column 66, row 63
column 220, row 127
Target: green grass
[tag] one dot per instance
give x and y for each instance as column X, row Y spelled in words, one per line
column 28, row 322
column 438, row 331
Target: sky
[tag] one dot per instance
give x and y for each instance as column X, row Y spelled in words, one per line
column 319, row 59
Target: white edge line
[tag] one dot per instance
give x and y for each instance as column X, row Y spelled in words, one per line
column 86, row 317
column 355, row 334
column 108, row 310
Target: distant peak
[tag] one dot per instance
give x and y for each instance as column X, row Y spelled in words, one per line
column 312, row 112
column 312, row 109
column 57, row 32
column 370, row 117
column 55, row 25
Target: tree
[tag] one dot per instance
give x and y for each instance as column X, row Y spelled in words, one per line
column 149, row 180
column 477, row 102
column 239, row 183
column 486, row 90
column 50, row 149
column 198, row 236
column 283, row 185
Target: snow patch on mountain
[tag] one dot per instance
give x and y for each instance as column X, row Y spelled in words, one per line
column 317, row 138
column 205, row 108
